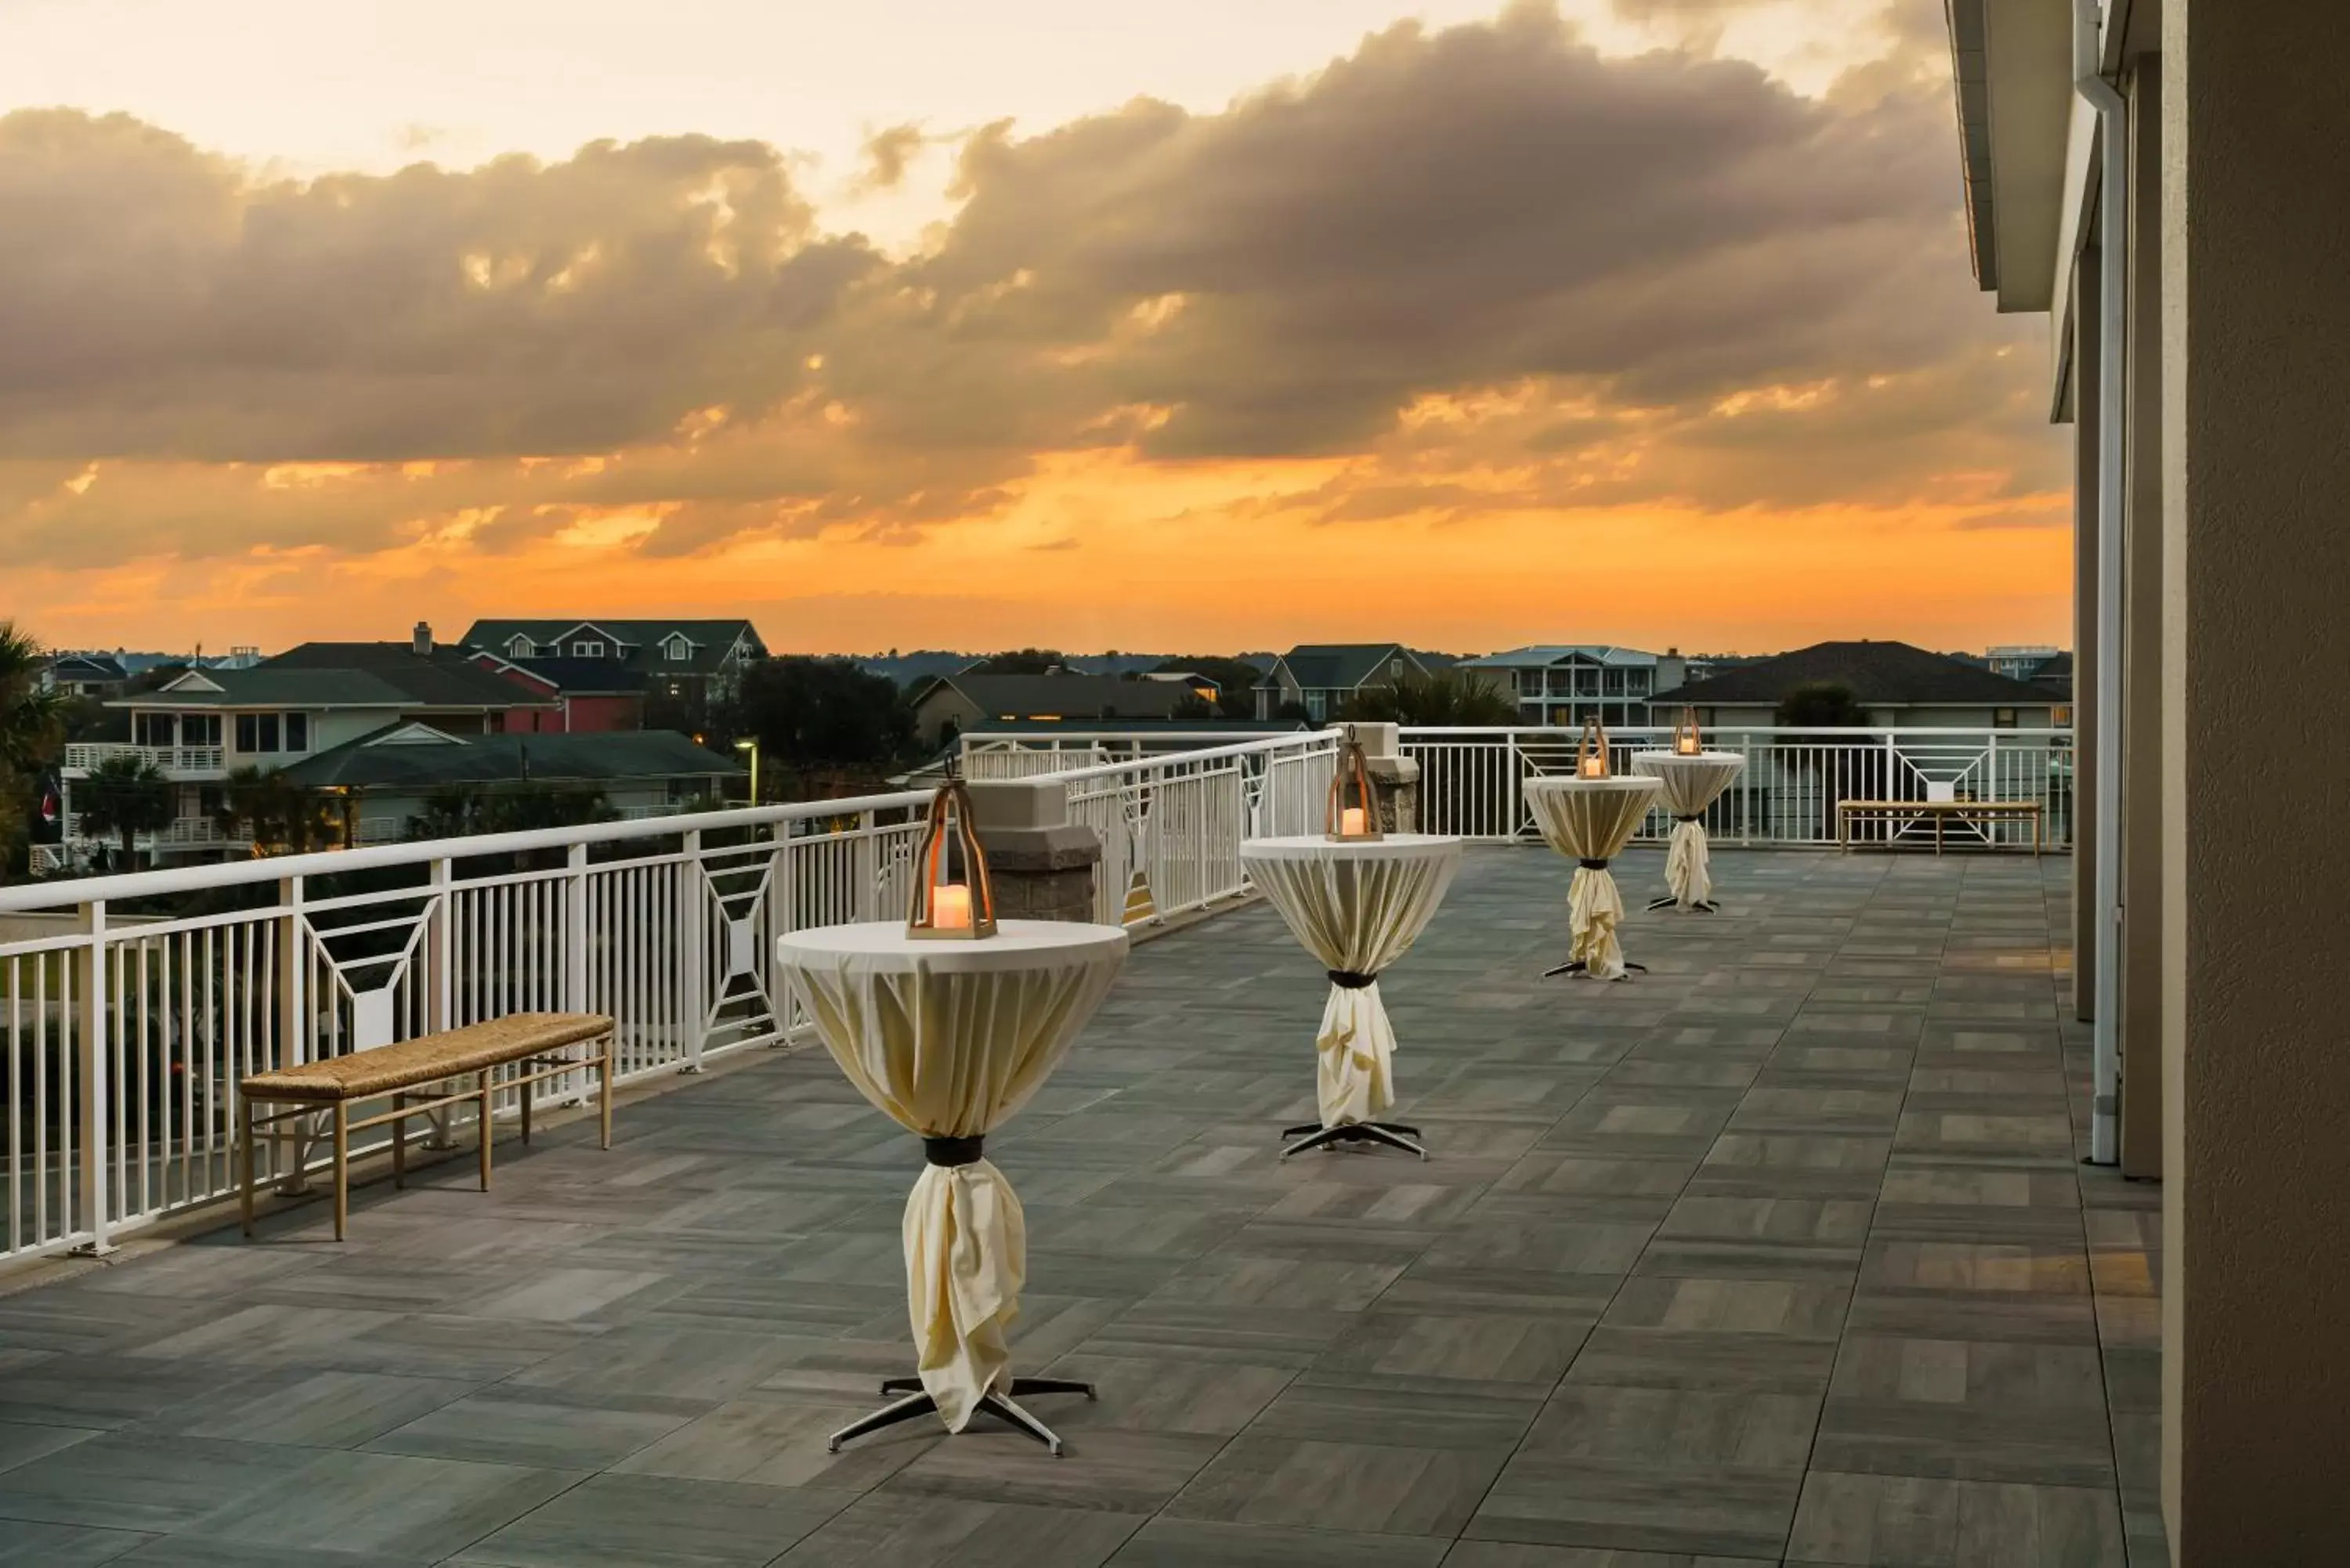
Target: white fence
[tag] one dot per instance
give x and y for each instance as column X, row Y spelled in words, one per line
column 121, row 1043
column 81, row 756
column 131, row 1006
column 1472, row 781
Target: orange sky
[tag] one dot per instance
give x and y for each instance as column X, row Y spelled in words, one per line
column 1404, row 349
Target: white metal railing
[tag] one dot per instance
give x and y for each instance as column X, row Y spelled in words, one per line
column 130, row 1005
column 1472, row 782
column 1172, row 826
column 84, row 755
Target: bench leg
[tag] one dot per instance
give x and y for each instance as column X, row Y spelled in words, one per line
column 398, row 1141
column 244, row 1162
column 342, row 1167
column 524, row 1093
column 604, row 1091
column 482, row 1080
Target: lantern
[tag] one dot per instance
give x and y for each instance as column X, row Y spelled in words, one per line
column 945, row 908
column 1687, row 742
column 1591, row 753
column 1354, row 816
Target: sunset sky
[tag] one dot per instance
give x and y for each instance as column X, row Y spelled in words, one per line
column 928, row 322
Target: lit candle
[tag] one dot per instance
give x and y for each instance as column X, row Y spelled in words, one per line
column 1595, row 767
column 950, row 907
column 1350, row 822
column 1688, row 745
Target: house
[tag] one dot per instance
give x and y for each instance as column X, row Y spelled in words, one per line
column 97, row 676
column 949, row 705
column 388, row 781
column 1897, row 685
column 1204, row 687
column 1321, row 676
column 686, row 665
column 592, row 696
column 201, row 724
column 1561, row 685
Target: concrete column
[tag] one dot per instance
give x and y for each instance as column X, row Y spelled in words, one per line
column 2256, row 846
column 1041, row 865
column 2086, row 379
column 2141, row 1027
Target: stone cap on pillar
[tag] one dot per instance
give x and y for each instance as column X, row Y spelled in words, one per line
column 1015, row 804
column 1024, row 824
column 1378, row 739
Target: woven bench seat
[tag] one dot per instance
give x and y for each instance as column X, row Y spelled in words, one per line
column 537, row 1043
column 429, row 1058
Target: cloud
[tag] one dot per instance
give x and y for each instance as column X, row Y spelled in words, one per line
column 887, row 154
column 1484, row 267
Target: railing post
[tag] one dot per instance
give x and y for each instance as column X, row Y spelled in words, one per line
column 574, row 930
column 93, row 1078
column 440, row 983
column 292, row 1019
column 691, row 958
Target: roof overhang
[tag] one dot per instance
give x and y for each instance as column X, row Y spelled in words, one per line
column 2011, row 64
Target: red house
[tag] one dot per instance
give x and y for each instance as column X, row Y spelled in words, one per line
column 588, row 696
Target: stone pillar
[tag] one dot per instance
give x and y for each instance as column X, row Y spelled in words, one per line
column 1041, row 864
column 1395, row 778
column 2085, row 762
column 2140, row 1023
column 2256, row 841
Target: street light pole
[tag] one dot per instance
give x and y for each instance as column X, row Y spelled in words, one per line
column 751, row 745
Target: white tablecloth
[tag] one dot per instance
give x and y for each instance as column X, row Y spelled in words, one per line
column 1593, row 819
column 1691, row 784
column 948, row 1039
column 1357, row 907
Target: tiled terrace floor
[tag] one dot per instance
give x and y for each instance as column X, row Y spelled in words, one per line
column 1778, row 1253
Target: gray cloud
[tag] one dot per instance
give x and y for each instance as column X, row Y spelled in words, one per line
column 1687, row 282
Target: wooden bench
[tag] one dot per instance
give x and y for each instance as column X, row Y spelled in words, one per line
column 536, row 1040
column 1983, row 813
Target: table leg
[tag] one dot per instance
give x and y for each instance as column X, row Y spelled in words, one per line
column 915, row 1402
column 1394, row 1135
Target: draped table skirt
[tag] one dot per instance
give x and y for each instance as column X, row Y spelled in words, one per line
column 1689, row 786
column 1589, row 821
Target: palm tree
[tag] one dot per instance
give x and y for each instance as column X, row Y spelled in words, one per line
column 124, row 796
column 281, row 816
column 31, row 726
column 1449, row 697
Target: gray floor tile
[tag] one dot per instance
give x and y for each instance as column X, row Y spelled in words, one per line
column 1197, row 1544
column 651, row 1522
column 913, row 1531
column 391, row 1504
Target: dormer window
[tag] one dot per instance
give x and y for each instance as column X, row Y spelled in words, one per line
column 587, row 648
column 677, row 650
column 520, row 647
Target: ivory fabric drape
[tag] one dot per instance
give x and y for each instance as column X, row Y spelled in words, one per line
column 948, row 1039
column 1691, row 784
column 1592, row 819
column 1357, row 907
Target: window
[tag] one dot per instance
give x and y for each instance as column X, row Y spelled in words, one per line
column 297, row 732
column 2002, row 718
column 2060, row 716
column 677, row 650
column 520, row 647
column 587, row 648
column 153, row 728
column 200, row 728
column 256, row 732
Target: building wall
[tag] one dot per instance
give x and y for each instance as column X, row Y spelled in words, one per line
column 945, row 705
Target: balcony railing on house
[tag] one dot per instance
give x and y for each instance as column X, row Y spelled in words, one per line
column 82, row 756
column 131, row 1006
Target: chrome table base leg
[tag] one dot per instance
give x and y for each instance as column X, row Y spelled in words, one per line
column 915, row 1402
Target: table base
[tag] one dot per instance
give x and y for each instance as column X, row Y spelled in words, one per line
column 1702, row 906
column 1313, row 1135
column 918, row 1403
column 1576, row 966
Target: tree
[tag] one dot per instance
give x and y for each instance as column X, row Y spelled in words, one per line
column 1022, row 661
column 32, row 727
column 124, row 796
column 278, row 814
column 1821, row 705
column 821, row 717
column 1452, row 698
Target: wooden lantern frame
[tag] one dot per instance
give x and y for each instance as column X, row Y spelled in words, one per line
column 1350, row 769
column 949, row 822
column 1594, row 744
column 1689, row 740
